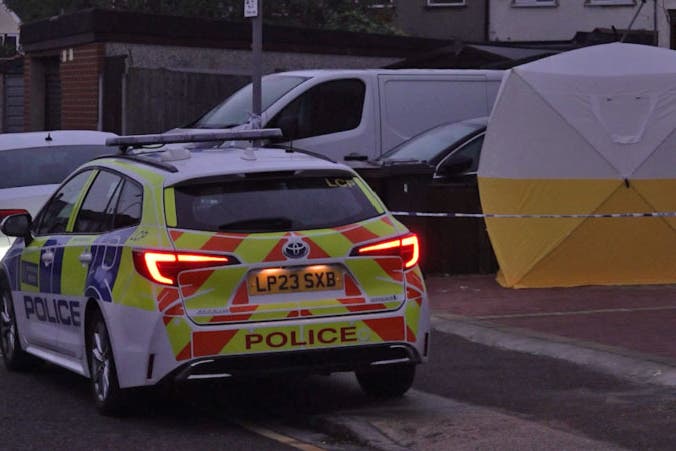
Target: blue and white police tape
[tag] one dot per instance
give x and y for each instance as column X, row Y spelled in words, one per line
column 652, row 214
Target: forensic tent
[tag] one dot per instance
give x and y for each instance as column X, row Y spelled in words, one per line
column 580, row 158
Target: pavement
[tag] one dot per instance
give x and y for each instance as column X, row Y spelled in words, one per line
column 423, row 421
column 627, row 331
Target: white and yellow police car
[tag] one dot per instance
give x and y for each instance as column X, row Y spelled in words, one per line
column 180, row 264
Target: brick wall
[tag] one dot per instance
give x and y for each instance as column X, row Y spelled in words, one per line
column 80, row 87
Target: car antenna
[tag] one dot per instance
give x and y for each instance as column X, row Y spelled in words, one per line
column 49, row 137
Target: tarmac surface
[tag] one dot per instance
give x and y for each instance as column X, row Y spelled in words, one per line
column 625, row 332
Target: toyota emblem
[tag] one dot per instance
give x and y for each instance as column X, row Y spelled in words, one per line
column 295, row 248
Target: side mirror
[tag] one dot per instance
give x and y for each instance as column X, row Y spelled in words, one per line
column 18, row 225
column 455, row 166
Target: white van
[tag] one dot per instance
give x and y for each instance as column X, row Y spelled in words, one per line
column 362, row 113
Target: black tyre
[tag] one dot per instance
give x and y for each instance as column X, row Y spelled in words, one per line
column 389, row 381
column 15, row 358
column 110, row 399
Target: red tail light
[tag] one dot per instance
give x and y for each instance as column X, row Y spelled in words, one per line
column 163, row 267
column 11, row 211
column 406, row 247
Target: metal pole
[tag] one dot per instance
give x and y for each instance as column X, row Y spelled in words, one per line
column 655, row 37
column 257, row 48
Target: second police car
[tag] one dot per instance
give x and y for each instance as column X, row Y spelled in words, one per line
column 223, row 262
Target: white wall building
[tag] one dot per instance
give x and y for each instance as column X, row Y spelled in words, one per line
column 559, row 20
column 9, row 26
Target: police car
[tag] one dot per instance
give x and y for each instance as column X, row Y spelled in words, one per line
column 224, row 262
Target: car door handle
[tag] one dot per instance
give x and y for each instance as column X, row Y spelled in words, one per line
column 47, row 258
column 86, row 258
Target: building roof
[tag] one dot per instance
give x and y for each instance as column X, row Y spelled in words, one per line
column 6, row 11
column 100, row 25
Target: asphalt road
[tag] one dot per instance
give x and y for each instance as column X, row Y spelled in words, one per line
column 552, row 392
column 50, row 408
column 482, row 391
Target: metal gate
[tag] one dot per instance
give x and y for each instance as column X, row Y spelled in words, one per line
column 13, row 103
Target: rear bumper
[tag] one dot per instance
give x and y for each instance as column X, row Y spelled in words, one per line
column 175, row 348
column 349, row 358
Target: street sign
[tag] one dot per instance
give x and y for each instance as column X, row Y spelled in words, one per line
column 250, row 8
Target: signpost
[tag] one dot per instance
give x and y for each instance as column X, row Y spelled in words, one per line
column 253, row 9
column 250, row 8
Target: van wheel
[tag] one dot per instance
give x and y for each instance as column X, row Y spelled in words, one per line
column 389, row 381
column 109, row 398
column 15, row 358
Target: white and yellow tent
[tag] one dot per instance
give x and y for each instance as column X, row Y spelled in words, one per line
column 588, row 132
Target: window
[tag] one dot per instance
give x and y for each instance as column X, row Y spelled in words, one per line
column 381, row 4
column 273, row 202
column 446, row 2
column 466, row 158
column 45, row 165
column 610, row 2
column 128, row 212
column 9, row 40
column 529, row 3
column 235, row 109
column 53, row 218
column 98, row 209
column 111, row 203
column 430, row 145
column 330, row 107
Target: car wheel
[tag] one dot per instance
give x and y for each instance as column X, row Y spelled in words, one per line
column 15, row 358
column 388, row 381
column 109, row 398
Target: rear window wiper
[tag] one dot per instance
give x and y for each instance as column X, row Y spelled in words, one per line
column 259, row 224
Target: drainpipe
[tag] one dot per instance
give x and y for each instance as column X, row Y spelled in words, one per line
column 123, row 119
column 487, row 21
column 655, row 38
column 99, row 123
column 128, row 61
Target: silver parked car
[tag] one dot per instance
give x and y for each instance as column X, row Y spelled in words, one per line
column 33, row 164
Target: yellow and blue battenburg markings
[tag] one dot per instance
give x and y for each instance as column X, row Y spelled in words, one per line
column 107, row 252
column 49, row 277
column 12, row 263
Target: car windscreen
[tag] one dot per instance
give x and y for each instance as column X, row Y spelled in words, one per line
column 260, row 203
column 45, row 165
column 235, row 109
column 429, row 144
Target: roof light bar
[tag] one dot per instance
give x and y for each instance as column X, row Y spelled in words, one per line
column 125, row 142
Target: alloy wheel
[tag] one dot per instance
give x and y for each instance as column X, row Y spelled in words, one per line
column 101, row 361
column 7, row 327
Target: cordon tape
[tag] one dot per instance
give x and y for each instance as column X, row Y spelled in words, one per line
column 654, row 214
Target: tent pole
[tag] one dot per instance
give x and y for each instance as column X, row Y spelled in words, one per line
column 631, row 24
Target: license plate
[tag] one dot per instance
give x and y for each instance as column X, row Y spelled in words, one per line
column 295, row 280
